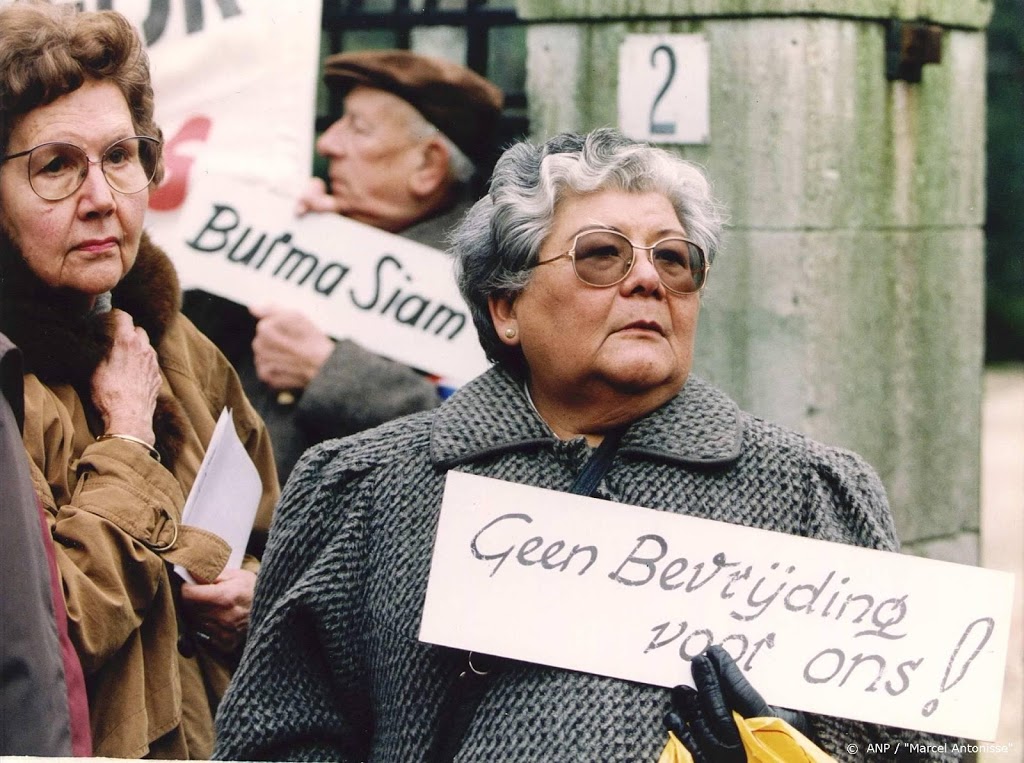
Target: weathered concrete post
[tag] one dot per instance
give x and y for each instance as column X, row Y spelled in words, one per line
column 847, row 302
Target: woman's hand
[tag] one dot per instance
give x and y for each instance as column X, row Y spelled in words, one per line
column 220, row 610
column 702, row 719
column 126, row 383
column 289, row 349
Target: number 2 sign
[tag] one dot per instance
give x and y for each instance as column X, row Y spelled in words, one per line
column 664, row 88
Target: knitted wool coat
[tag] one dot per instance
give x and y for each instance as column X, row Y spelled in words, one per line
column 333, row 669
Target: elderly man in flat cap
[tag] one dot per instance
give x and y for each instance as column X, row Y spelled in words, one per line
column 402, row 158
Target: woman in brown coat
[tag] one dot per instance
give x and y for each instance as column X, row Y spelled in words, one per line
column 122, row 393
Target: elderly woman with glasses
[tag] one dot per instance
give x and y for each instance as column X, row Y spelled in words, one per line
column 583, row 269
column 122, row 393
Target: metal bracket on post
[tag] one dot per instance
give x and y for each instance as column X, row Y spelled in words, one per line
column 908, row 47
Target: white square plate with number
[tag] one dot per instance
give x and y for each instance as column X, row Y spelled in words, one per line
column 664, row 86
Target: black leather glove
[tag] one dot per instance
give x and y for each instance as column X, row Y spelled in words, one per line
column 702, row 718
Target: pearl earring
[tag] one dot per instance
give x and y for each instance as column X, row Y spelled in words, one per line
column 510, row 332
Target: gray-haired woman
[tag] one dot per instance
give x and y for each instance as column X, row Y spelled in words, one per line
column 583, row 268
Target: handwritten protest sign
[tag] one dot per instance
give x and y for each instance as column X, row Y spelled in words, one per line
column 635, row 593
column 395, row 296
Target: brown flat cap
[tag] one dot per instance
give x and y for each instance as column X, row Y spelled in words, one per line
column 457, row 101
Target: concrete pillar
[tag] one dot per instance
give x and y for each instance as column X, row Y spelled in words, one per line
column 848, row 299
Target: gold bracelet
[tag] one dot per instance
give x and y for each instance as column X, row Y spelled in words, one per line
column 131, row 438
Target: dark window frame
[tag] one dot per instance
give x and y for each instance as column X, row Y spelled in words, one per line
column 339, row 17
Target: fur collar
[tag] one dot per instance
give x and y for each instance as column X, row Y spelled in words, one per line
column 62, row 344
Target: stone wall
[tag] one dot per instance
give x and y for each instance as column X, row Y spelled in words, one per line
column 848, row 298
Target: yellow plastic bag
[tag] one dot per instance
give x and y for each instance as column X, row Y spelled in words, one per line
column 675, row 751
column 766, row 740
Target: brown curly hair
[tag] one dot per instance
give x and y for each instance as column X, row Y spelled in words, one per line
column 47, row 51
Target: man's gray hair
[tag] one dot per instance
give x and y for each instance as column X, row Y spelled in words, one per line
column 501, row 236
column 460, row 167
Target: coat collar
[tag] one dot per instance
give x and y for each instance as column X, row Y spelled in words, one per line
column 11, row 383
column 434, row 230
column 62, row 343
column 699, row 427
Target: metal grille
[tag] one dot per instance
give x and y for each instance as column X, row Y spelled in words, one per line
column 485, row 35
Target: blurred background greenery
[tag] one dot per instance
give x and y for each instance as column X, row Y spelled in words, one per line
column 1004, row 220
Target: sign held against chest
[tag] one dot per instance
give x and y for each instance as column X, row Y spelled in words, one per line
column 635, row 593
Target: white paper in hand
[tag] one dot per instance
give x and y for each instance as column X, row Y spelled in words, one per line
column 226, row 493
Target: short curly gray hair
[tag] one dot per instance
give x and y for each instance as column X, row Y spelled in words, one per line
column 501, row 236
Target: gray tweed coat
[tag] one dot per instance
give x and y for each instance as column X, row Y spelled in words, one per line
column 333, row 669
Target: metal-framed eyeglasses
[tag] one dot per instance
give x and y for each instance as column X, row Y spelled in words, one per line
column 605, row 257
column 56, row 169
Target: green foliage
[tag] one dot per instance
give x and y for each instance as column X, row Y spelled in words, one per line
column 1004, row 309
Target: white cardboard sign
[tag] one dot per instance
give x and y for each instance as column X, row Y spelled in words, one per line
column 395, row 296
column 635, row 593
column 665, row 88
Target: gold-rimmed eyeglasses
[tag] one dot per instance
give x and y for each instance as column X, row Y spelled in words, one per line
column 605, row 257
column 56, row 169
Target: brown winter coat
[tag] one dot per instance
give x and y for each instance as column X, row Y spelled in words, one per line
column 113, row 509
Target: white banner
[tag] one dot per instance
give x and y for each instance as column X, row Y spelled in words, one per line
column 634, row 593
column 397, row 297
column 235, row 85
